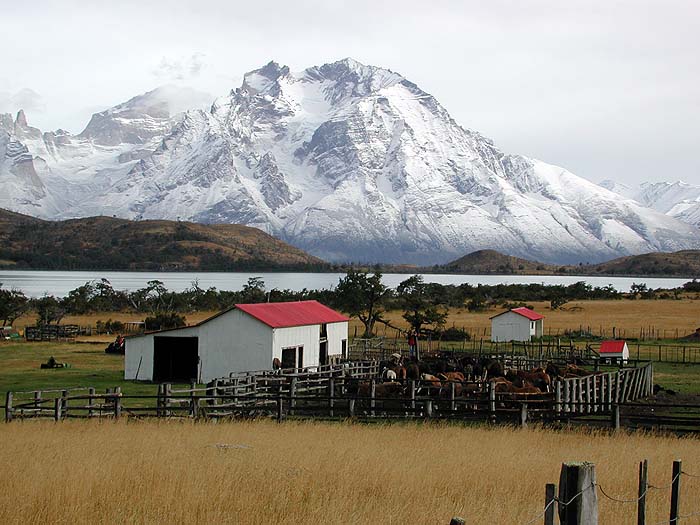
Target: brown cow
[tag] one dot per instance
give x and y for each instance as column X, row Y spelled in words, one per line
column 452, row 376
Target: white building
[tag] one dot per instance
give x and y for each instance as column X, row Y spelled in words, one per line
column 614, row 351
column 517, row 324
column 245, row 337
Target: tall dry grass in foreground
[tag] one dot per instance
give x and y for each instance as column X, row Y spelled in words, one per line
column 171, row 472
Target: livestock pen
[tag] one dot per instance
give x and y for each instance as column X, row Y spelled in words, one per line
column 356, row 391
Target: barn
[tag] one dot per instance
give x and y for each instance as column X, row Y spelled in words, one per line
column 516, row 324
column 614, row 351
column 245, row 337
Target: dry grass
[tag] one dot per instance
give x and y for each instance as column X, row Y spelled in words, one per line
column 628, row 316
column 165, row 472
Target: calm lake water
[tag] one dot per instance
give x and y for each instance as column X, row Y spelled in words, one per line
column 37, row 283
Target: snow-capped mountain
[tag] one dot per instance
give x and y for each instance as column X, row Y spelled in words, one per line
column 676, row 199
column 347, row 161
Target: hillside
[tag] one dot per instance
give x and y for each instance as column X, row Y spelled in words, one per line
column 684, row 263
column 491, row 261
column 118, row 244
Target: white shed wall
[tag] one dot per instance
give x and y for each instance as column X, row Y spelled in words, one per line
column 336, row 333
column 511, row 327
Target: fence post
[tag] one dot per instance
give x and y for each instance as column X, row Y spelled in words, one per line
column 492, row 401
column 429, row 408
column 578, row 497
column 523, row 415
column 91, row 400
column 117, row 402
column 550, row 490
column 351, row 407
column 292, row 394
column 168, row 390
column 331, row 396
column 37, row 399
column 413, row 397
column 57, row 409
column 64, row 403
column 279, row 405
column 8, row 407
column 675, row 493
column 557, row 397
column 615, row 417
column 457, row 521
column 641, row 502
column 372, row 393
column 453, row 405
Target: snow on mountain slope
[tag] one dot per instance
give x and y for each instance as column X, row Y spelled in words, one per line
column 347, row 161
column 676, row 199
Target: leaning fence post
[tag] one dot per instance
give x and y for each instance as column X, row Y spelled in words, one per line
column 578, row 498
column 675, row 493
column 550, row 490
column 8, row 407
column 641, row 502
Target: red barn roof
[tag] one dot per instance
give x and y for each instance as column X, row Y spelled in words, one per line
column 612, row 347
column 525, row 312
column 297, row 313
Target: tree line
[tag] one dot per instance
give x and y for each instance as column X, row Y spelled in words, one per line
column 359, row 293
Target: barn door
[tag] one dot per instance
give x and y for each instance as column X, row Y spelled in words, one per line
column 175, row 359
column 289, row 357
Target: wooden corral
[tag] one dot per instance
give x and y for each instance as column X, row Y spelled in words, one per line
column 353, row 390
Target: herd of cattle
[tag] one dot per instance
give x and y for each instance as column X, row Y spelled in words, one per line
column 466, row 376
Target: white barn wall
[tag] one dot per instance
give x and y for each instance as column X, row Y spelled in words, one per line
column 510, row 326
column 336, row 333
column 306, row 336
column 234, row 342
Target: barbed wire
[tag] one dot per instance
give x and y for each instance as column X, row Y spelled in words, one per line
column 619, row 500
column 680, row 517
column 541, row 514
column 689, row 475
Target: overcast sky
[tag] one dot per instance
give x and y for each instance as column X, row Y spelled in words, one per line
column 607, row 89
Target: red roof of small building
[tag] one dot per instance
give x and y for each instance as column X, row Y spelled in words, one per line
column 297, row 313
column 612, row 347
column 525, row 312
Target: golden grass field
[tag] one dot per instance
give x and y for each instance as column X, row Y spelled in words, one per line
column 317, row 473
column 627, row 316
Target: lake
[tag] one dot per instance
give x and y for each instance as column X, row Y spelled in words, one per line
column 59, row 283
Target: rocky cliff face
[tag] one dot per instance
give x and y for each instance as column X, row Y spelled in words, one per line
column 349, row 162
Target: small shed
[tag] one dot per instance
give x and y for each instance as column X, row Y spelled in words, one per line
column 614, row 352
column 245, row 337
column 516, row 324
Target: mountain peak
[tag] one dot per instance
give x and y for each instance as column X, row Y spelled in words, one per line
column 21, row 120
column 264, row 79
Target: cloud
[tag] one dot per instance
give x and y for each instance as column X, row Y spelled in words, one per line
column 182, row 68
column 26, row 99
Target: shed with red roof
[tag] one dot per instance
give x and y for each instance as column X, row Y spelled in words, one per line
column 298, row 334
column 614, row 351
column 517, row 324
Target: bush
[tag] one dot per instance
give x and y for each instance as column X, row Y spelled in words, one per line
column 164, row 321
column 454, row 334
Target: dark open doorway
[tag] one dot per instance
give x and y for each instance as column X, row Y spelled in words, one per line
column 175, row 359
column 323, row 353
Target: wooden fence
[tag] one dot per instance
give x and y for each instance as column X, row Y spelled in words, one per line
column 353, row 390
